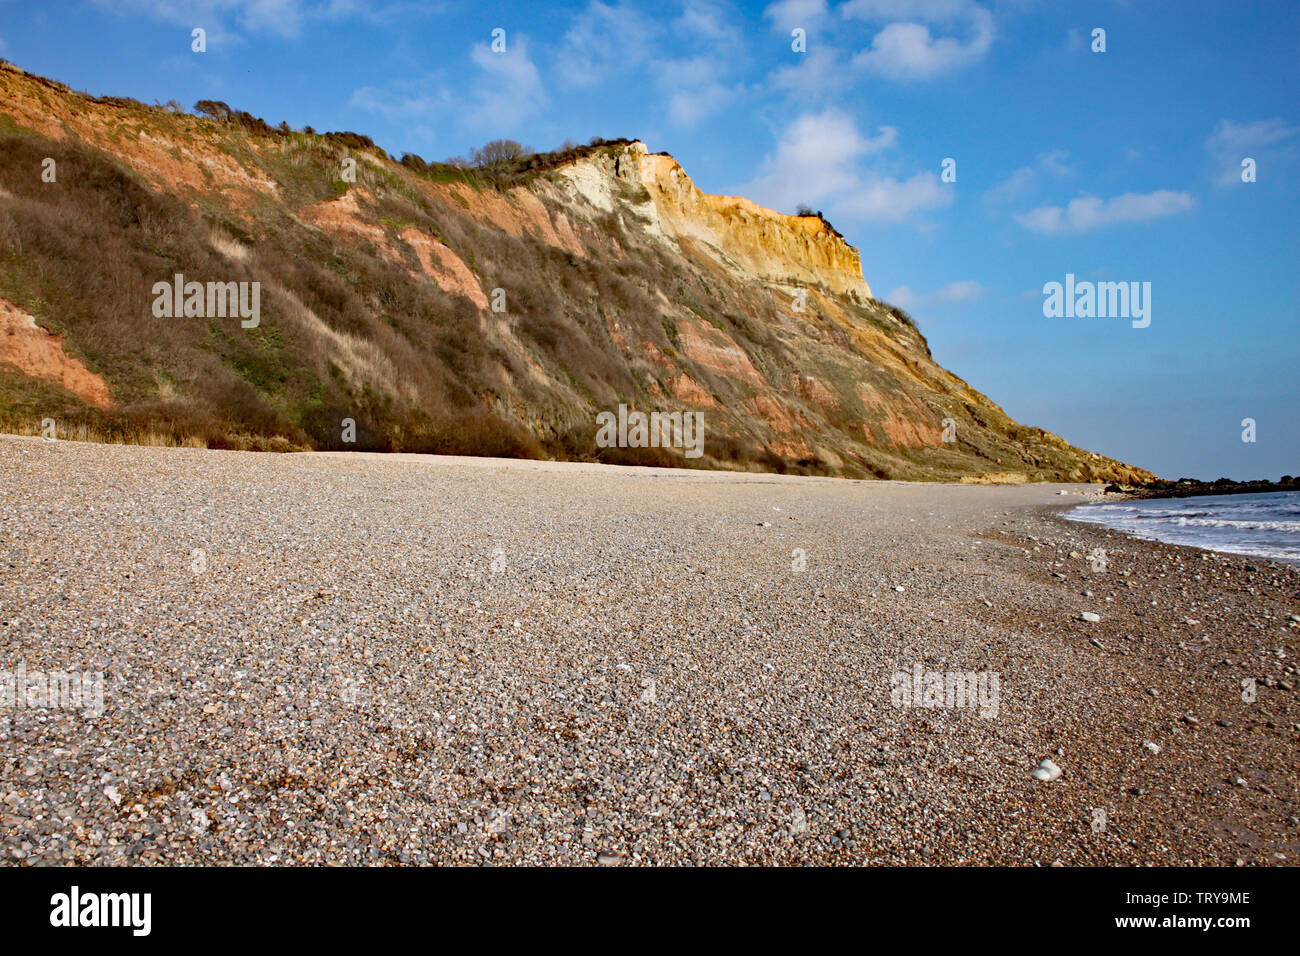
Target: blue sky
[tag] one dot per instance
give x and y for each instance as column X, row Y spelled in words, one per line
column 1123, row 165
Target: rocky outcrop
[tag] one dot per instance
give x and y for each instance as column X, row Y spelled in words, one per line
column 753, row 241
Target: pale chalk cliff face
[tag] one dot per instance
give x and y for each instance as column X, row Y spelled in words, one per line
column 490, row 311
column 737, row 233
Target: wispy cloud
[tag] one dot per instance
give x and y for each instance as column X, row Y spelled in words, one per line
column 506, row 89
column 695, row 87
column 226, row 19
column 1090, row 212
column 821, row 72
column 509, row 86
column 1026, row 180
column 701, row 84
column 691, row 60
column 604, row 39
column 966, row 290
column 1268, row 142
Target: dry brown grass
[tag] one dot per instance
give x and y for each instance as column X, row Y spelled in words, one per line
column 81, row 431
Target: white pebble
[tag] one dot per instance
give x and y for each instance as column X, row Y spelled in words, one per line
column 1046, row 771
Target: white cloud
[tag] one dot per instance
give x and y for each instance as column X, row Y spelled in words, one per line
column 1026, row 180
column 1090, row 212
column 695, row 87
column 405, row 100
column 691, row 60
column 814, row 161
column 788, row 14
column 509, row 87
column 707, row 20
column 702, row 84
column 817, row 161
column 1264, row 141
column 689, row 107
column 506, row 90
column 964, row 291
column 905, row 48
column 819, row 72
column 603, row 41
column 903, row 297
column 283, row 18
column 886, row 199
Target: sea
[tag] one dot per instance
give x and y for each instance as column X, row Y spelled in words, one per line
column 1263, row 525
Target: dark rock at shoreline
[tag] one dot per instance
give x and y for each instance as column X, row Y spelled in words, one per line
column 1190, row 487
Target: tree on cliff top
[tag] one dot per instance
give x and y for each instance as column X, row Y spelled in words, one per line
column 499, row 151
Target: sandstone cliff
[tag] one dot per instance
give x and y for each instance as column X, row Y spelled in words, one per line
column 736, row 233
column 487, row 312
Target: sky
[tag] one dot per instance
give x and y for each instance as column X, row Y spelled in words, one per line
column 1112, row 156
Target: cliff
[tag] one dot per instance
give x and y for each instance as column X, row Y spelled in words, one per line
column 441, row 309
column 734, row 232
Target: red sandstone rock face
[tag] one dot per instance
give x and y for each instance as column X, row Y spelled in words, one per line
column 27, row 348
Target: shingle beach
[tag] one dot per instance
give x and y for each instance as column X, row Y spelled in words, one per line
column 364, row 659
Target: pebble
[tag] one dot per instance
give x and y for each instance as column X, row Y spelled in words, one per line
column 347, row 682
column 799, row 822
column 1046, row 771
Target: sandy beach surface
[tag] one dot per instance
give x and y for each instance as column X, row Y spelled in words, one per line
column 329, row 658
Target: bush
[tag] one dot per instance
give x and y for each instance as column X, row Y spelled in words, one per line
column 500, row 152
column 351, row 140
column 213, row 108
